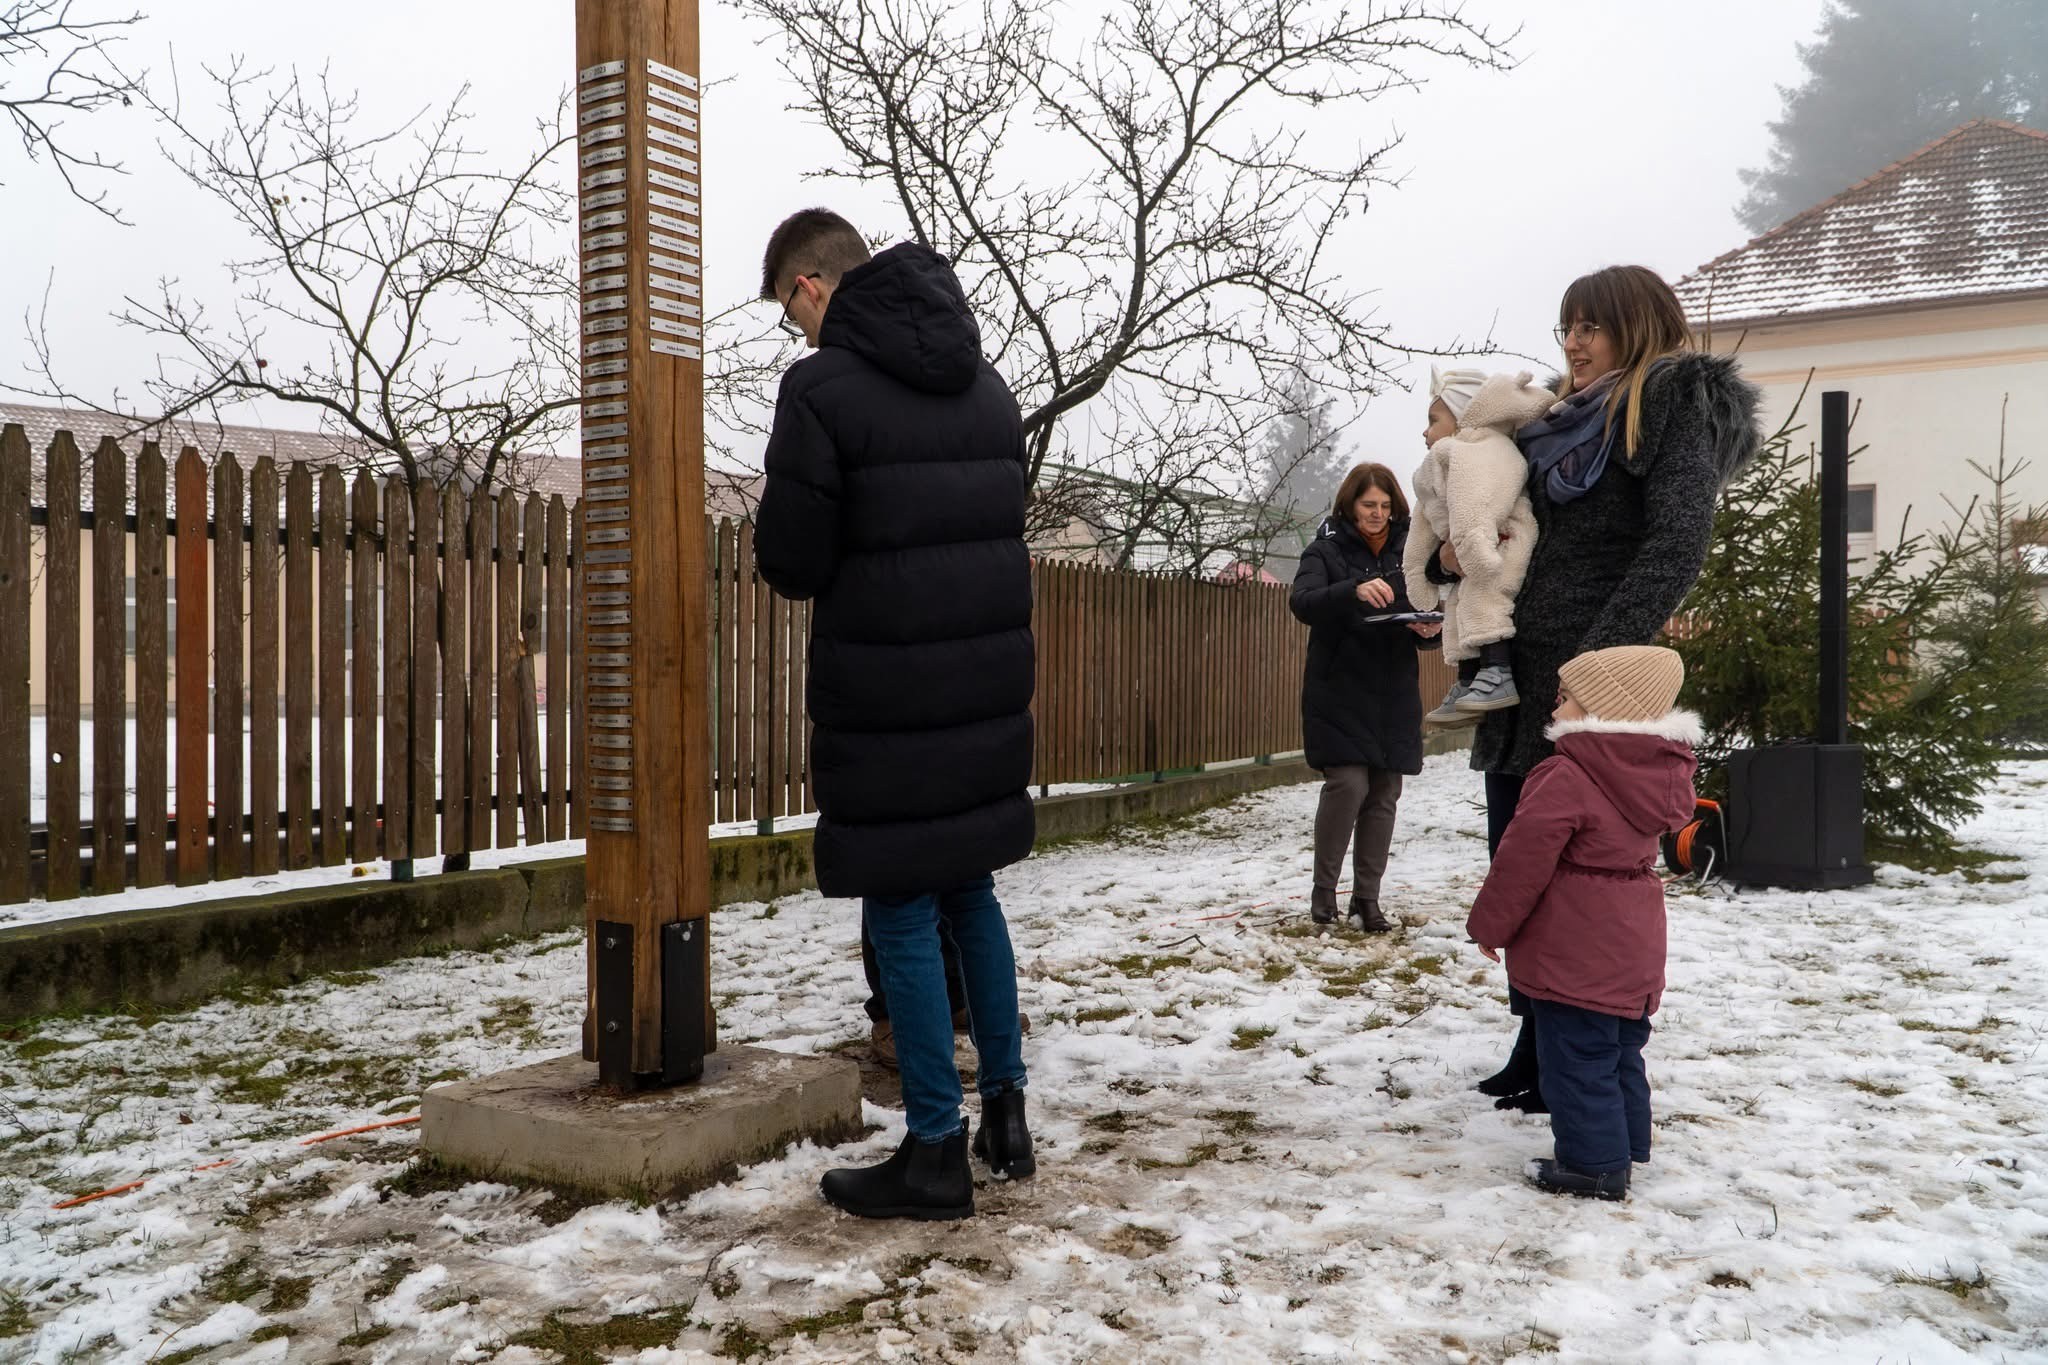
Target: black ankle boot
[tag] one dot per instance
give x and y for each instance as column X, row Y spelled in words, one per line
column 924, row 1180
column 1366, row 918
column 1004, row 1140
column 1558, row 1178
column 1322, row 905
column 1529, row 1102
column 1519, row 1074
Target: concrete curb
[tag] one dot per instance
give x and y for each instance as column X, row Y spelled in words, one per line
column 181, row 955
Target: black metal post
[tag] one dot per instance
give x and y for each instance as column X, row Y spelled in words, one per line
column 1834, row 567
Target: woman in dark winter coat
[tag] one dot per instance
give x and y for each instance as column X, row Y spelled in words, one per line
column 1624, row 476
column 1361, row 707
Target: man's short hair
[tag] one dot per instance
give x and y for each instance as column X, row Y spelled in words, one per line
column 812, row 242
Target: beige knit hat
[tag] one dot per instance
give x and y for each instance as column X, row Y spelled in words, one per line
column 1629, row 683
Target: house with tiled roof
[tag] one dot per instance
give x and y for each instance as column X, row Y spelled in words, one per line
column 1923, row 291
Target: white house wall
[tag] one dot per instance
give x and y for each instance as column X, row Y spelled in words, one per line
column 1925, row 389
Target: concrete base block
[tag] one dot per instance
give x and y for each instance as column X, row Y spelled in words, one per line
column 552, row 1122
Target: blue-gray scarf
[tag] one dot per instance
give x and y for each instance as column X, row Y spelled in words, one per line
column 1567, row 447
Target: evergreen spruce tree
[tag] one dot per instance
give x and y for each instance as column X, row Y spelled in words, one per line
column 1885, row 77
column 1946, row 643
column 1997, row 630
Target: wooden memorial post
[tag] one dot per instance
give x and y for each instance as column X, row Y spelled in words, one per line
column 644, row 610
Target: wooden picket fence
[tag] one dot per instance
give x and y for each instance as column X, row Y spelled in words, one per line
column 384, row 648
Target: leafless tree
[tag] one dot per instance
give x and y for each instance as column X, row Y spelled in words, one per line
column 420, row 300
column 68, row 71
column 1143, row 202
column 381, row 264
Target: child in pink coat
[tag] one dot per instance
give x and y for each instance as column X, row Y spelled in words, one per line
column 1574, row 898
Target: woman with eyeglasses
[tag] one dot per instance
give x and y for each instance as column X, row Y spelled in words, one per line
column 1624, row 475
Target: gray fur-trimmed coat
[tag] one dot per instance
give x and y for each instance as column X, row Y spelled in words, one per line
column 1612, row 567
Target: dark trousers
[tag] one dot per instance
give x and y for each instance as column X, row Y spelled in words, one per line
column 1503, row 794
column 1356, row 811
column 1595, row 1084
column 1489, row 656
column 949, row 959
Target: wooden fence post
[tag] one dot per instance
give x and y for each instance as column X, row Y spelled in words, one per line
column 109, row 667
column 15, row 460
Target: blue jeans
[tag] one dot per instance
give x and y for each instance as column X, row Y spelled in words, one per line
column 1594, row 1081
column 905, row 934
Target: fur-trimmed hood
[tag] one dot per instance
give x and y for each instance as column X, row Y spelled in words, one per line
column 1727, row 404
column 1681, row 727
column 1643, row 768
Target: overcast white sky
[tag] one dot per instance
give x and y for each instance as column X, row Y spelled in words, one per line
column 1617, row 138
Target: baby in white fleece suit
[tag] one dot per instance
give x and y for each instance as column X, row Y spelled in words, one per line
column 1471, row 492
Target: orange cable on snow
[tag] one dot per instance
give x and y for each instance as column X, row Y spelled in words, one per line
column 107, row 1193
column 113, row 1190
column 366, row 1128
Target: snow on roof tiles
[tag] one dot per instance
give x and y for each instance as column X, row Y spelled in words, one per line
column 1964, row 217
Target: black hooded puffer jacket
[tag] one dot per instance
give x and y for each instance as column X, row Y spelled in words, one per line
column 895, row 498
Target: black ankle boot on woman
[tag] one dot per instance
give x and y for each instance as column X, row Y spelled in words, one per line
column 930, row 1181
column 1519, row 1075
column 1004, row 1140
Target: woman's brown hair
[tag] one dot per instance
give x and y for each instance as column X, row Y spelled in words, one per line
column 1367, row 476
column 1633, row 305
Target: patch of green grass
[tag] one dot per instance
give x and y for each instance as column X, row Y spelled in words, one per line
column 1248, row 1037
column 1723, row 1280
column 1134, row 1239
column 1115, row 1121
column 181, row 1357
column 581, row 1343
column 1131, row 1086
column 1142, row 965
column 36, row 1048
column 741, row 1342
column 1919, row 1026
column 1921, row 976
column 1951, row 1284
column 1357, row 974
column 1105, row 1014
column 509, row 1014
column 270, row 1332
column 14, row 1320
column 288, row 1293
column 1340, row 992
column 1236, row 1122
column 389, row 1278
column 424, row 1176
column 367, row 1337
column 1276, row 972
column 1330, row 1274
column 1940, row 861
column 234, row 1281
column 1804, row 1001
column 1877, row 1088
column 1196, row 1156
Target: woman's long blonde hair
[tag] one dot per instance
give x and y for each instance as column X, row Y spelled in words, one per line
column 1633, row 305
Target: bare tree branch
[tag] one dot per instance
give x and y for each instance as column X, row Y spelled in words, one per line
column 68, row 70
column 1179, row 266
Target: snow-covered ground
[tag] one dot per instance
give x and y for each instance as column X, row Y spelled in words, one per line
column 1256, row 1144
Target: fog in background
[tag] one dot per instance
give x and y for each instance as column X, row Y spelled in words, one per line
column 1617, row 138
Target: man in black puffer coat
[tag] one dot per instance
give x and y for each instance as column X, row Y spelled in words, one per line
column 895, row 498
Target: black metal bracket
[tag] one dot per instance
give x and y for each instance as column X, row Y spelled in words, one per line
column 685, row 995
column 613, row 951
column 685, row 991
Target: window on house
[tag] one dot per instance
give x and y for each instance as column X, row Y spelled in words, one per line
column 170, row 615
column 1863, row 510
